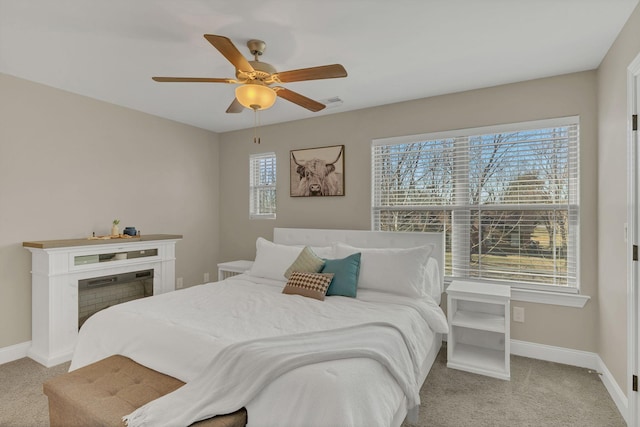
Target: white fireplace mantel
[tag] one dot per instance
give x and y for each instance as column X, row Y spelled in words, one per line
column 56, row 267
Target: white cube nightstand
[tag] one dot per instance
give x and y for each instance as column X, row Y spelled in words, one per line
column 232, row 268
column 478, row 339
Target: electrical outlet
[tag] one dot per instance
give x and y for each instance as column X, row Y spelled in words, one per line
column 206, row 277
column 518, row 314
column 179, row 283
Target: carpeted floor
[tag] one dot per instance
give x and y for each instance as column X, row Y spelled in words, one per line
column 22, row 403
column 539, row 394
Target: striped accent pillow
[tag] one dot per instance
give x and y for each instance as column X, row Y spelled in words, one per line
column 307, row 262
column 312, row 285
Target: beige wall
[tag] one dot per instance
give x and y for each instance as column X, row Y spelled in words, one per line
column 612, row 193
column 69, row 165
column 560, row 96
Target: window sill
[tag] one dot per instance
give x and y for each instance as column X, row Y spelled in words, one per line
column 553, row 298
column 546, row 297
column 262, row 217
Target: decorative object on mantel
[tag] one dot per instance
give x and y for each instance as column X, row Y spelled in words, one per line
column 317, row 172
column 130, row 231
column 115, row 231
column 110, row 237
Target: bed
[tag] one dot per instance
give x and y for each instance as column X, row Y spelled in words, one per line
column 182, row 333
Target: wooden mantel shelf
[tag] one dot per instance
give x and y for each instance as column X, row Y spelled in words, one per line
column 67, row 243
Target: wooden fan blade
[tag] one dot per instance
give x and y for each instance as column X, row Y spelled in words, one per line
column 229, row 51
column 313, row 73
column 192, row 80
column 235, row 107
column 302, row 101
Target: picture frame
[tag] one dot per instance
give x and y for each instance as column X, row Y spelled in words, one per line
column 317, row 172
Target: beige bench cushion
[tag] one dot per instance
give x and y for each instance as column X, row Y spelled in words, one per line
column 102, row 393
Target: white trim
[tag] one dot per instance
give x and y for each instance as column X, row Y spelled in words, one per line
column 14, row 352
column 565, row 299
column 505, row 127
column 616, row 393
column 567, row 356
column 553, row 298
column 262, row 216
column 633, row 346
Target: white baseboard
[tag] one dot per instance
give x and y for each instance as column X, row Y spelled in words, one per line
column 582, row 359
column 618, row 396
column 567, row 356
column 14, row 352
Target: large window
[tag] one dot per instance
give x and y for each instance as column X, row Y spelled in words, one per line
column 262, row 186
column 506, row 198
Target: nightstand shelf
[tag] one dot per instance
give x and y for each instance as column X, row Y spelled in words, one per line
column 479, row 334
column 233, row 268
column 479, row 360
column 478, row 320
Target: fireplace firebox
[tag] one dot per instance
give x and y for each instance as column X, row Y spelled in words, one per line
column 98, row 293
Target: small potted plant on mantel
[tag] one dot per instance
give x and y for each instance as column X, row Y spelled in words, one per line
column 115, row 231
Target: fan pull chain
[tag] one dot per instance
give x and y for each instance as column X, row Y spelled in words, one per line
column 256, row 125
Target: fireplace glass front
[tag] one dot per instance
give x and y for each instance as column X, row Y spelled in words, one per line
column 97, row 293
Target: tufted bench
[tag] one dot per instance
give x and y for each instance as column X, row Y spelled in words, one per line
column 102, row 393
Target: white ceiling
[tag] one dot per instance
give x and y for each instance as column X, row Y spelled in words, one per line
column 393, row 50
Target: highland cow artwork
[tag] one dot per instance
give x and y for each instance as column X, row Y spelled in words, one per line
column 317, row 172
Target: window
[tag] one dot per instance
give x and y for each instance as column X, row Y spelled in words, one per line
column 506, row 198
column 262, row 186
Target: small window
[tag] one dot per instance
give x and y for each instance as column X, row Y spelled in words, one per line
column 262, row 186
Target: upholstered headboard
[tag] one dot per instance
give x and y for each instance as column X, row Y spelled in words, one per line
column 363, row 239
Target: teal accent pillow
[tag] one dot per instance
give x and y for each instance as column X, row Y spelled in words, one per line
column 345, row 275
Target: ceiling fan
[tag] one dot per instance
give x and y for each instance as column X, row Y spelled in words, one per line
column 256, row 79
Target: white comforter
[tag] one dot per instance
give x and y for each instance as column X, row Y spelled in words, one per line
column 179, row 333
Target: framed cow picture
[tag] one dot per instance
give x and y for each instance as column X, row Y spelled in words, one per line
column 317, row 171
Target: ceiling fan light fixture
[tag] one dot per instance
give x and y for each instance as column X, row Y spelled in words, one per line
column 255, row 96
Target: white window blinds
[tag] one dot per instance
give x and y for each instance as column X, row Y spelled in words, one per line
column 506, row 198
column 262, row 186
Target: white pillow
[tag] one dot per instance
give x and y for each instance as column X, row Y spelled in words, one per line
column 273, row 259
column 321, row 251
column 433, row 280
column 400, row 271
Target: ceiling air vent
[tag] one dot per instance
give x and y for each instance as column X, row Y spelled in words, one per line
column 332, row 102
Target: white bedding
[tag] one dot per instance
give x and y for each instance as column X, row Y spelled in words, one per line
column 179, row 333
column 240, row 371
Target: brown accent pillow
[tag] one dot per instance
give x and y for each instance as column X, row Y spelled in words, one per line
column 312, row 285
